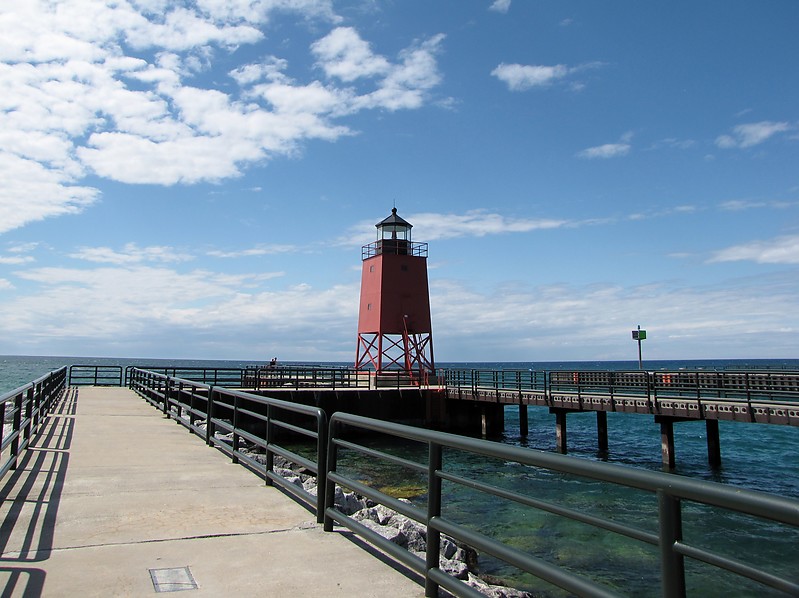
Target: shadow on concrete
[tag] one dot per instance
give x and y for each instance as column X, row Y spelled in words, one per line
column 30, row 499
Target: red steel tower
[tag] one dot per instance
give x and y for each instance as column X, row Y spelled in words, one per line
column 394, row 330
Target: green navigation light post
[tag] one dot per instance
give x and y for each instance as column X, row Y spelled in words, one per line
column 639, row 335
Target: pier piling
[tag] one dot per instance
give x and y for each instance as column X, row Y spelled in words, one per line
column 524, row 429
column 667, row 441
column 713, row 442
column 560, row 428
column 602, row 431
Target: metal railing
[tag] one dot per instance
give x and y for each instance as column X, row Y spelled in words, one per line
column 771, row 385
column 671, row 492
column 299, row 377
column 95, row 375
column 227, row 377
column 520, row 380
column 394, row 247
column 213, row 412
column 208, row 410
column 22, row 412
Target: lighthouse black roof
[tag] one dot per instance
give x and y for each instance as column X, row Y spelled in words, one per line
column 393, row 220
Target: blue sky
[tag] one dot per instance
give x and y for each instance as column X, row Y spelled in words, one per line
column 195, row 179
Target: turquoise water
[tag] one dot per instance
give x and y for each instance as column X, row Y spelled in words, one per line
column 754, row 456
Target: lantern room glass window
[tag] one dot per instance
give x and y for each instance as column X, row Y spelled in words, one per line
column 395, row 231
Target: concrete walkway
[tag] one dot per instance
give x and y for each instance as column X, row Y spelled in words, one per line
column 115, row 500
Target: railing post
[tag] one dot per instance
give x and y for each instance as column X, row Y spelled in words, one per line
column 433, row 511
column 235, row 446
column 179, row 400
column 15, row 427
column 321, row 464
column 166, row 395
column 330, row 486
column 209, row 417
column 270, row 456
column 29, row 412
column 748, row 387
column 2, row 421
column 672, row 566
column 473, row 381
column 192, row 407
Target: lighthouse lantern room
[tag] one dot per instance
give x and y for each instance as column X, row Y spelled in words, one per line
column 394, row 326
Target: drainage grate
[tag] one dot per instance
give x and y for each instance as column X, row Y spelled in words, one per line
column 173, row 580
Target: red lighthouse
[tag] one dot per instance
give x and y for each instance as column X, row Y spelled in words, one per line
column 394, row 330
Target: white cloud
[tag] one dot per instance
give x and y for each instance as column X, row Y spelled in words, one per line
column 553, row 322
column 111, row 89
column 406, row 85
column 344, row 55
column 750, row 134
column 16, row 259
column 131, row 254
column 31, row 191
column 782, row 250
column 608, row 150
column 254, row 251
column 501, row 6
column 521, row 77
column 18, row 254
column 478, row 223
column 672, row 143
column 474, row 223
column 143, row 304
column 738, row 205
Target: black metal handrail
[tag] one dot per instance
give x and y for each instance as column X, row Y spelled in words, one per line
column 214, row 376
column 206, row 409
column 25, row 409
column 748, row 385
column 671, row 491
column 393, row 247
column 95, row 375
column 299, row 377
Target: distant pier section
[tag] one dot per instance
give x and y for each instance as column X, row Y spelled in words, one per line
column 765, row 397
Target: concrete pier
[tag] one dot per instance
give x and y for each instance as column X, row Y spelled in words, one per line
column 115, row 500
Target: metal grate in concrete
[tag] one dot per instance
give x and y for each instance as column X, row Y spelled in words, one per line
column 173, row 580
